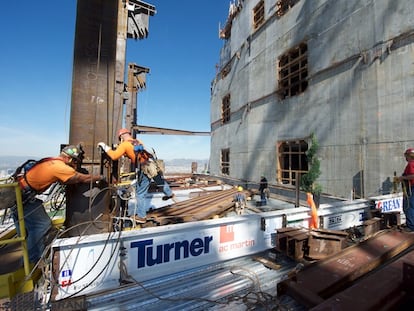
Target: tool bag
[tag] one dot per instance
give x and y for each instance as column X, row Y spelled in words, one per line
column 150, row 165
column 150, row 168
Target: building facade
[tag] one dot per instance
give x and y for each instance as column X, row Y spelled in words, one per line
column 340, row 71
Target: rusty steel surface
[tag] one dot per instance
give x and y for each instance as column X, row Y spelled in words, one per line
column 299, row 243
column 93, row 82
column 142, row 129
column 323, row 243
column 382, row 290
column 296, row 244
column 323, row 279
column 203, row 207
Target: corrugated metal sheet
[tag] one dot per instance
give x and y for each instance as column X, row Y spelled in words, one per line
column 238, row 284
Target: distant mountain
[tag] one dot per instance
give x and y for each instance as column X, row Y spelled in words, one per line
column 12, row 162
column 8, row 164
column 185, row 165
column 180, row 162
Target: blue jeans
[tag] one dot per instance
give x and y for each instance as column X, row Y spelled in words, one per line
column 142, row 187
column 37, row 224
column 263, row 198
column 408, row 207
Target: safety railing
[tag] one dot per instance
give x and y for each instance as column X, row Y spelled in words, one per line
column 7, row 188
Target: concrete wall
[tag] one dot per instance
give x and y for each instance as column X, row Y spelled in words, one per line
column 359, row 101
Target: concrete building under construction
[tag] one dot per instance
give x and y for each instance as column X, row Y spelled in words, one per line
column 341, row 70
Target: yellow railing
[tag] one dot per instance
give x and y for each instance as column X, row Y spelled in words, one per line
column 124, row 179
column 22, row 237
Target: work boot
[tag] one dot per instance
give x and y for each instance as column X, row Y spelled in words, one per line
column 138, row 220
column 167, row 197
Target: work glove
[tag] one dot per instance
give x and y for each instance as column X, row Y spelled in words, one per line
column 104, row 146
column 138, row 148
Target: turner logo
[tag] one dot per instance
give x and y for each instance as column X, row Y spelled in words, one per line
column 228, row 242
column 150, row 255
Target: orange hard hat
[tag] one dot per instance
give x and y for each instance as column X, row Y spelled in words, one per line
column 123, row 131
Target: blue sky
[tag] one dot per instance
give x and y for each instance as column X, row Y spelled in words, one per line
column 182, row 51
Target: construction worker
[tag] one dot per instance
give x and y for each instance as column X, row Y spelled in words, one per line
column 35, row 181
column 407, row 181
column 146, row 167
column 264, row 190
column 240, row 199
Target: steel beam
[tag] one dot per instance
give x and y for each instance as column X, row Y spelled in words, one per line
column 93, row 74
column 325, row 278
column 199, row 208
column 384, row 289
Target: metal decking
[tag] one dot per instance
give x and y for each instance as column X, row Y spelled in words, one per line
column 239, row 283
column 236, row 284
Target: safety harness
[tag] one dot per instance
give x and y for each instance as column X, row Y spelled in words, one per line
column 141, row 157
column 20, row 173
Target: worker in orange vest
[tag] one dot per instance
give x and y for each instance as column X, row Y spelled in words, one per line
column 35, row 181
column 147, row 170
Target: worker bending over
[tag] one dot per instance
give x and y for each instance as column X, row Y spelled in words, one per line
column 35, row 181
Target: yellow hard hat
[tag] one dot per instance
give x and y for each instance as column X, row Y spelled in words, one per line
column 239, row 188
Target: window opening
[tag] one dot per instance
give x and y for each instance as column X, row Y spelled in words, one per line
column 284, row 5
column 293, row 71
column 292, row 161
column 225, row 109
column 226, row 70
column 225, row 161
column 258, row 15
